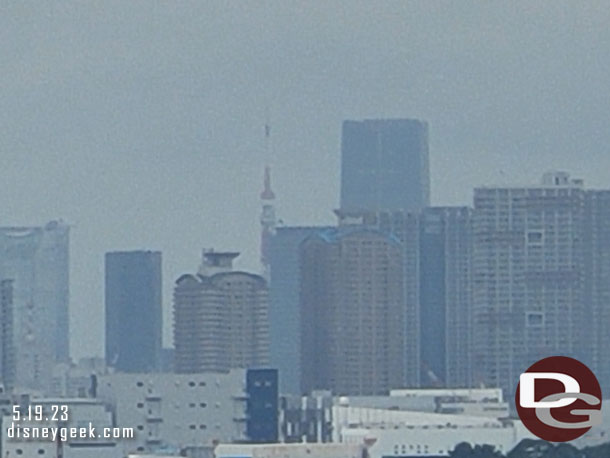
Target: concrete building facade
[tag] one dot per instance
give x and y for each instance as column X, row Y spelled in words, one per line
column 179, row 410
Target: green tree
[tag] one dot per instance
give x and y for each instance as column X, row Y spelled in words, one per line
column 601, row 451
column 486, row 451
column 530, row 448
column 564, row 451
column 465, row 450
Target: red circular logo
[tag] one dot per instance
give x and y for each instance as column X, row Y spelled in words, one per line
column 559, row 399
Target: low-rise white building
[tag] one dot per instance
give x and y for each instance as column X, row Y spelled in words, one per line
column 407, row 424
column 180, row 410
column 408, row 434
column 427, row 441
column 320, row 416
column 487, row 402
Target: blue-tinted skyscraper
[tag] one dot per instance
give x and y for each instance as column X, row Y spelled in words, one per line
column 445, row 296
column 284, row 306
column 384, row 165
column 133, row 310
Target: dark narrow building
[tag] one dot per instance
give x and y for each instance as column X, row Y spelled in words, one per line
column 445, row 250
column 263, row 405
column 133, row 310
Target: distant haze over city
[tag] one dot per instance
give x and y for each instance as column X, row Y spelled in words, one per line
column 142, row 124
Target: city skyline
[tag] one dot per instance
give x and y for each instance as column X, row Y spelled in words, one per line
column 310, row 229
column 122, row 112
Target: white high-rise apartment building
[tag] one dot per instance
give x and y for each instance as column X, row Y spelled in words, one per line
column 36, row 259
column 527, row 277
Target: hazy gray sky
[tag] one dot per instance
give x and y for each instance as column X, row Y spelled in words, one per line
column 141, row 122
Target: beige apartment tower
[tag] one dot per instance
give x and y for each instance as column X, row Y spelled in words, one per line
column 352, row 312
column 220, row 318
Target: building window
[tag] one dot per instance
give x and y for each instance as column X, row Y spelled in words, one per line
column 535, row 319
column 534, row 237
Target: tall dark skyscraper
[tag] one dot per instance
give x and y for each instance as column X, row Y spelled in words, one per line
column 284, row 306
column 133, row 310
column 445, row 295
column 384, row 165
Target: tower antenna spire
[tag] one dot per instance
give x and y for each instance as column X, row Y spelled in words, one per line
column 268, row 220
